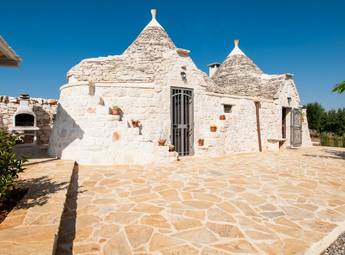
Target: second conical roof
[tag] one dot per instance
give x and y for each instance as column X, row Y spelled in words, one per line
column 239, row 75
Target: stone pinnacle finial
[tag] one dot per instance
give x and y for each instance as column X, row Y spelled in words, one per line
column 154, row 22
column 236, row 50
column 154, row 13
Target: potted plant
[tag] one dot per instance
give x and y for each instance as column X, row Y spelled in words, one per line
column 116, row 111
column 135, row 123
column 162, row 136
column 201, row 142
column 161, row 141
column 222, row 117
column 213, row 128
column 171, row 148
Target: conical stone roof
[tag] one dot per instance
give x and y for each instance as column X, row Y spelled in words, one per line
column 139, row 62
column 237, row 63
column 153, row 40
column 239, row 75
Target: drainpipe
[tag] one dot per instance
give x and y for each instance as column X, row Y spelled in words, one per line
column 257, row 107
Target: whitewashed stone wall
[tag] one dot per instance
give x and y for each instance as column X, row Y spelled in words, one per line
column 45, row 110
column 91, row 135
column 75, row 135
column 306, row 140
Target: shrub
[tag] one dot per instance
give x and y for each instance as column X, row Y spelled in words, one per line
column 10, row 164
column 329, row 139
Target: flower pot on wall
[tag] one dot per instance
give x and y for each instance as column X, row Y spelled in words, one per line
column 115, row 110
column 213, row 128
column 135, row 123
column 117, row 117
column 222, row 117
column 161, row 142
column 201, row 142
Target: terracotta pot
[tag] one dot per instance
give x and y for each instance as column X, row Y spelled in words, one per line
column 161, row 142
column 201, row 142
column 116, row 111
column 213, row 129
column 222, row 117
column 135, row 123
column 116, row 117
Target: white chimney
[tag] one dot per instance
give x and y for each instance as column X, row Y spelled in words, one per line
column 212, row 68
column 24, row 104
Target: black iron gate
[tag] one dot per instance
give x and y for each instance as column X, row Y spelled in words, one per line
column 296, row 127
column 182, row 120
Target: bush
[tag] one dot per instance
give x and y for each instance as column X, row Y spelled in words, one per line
column 10, row 165
column 329, row 139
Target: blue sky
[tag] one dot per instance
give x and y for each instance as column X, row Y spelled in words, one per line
column 306, row 38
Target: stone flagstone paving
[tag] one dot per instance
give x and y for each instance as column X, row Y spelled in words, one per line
column 288, row 202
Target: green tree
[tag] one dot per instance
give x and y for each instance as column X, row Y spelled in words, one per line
column 10, row 165
column 340, row 87
column 333, row 121
column 341, row 121
column 315, row 113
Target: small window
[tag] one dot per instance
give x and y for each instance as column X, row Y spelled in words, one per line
column 227, row 108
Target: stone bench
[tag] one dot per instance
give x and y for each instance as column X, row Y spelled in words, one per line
column 280, row 141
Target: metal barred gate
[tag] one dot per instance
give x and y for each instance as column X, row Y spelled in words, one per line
column 182, row 120
column 296, row 127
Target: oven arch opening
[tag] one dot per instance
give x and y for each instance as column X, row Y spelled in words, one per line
column 24, row 120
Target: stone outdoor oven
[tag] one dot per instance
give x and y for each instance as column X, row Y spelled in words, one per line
column 24, row 121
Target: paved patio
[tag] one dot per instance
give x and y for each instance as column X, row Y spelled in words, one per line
column 290, row 202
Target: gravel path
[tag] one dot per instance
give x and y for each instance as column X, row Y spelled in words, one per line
column 336, row 248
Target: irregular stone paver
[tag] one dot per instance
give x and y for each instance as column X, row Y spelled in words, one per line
column 32, row 226
column 288, row 202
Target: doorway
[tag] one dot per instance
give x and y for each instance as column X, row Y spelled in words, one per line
column 285, row 112
column 182, row 120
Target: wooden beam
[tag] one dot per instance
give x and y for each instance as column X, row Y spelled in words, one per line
column 9, row 63
column 9, row 57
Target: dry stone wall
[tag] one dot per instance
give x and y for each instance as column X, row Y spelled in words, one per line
column 45, row 110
